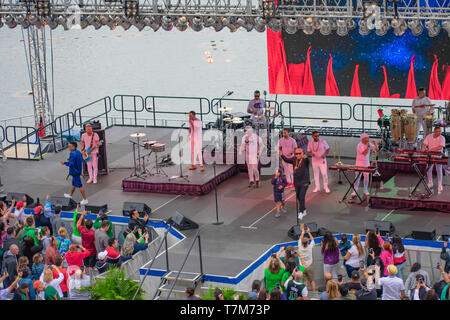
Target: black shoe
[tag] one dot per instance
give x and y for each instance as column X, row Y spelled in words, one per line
column 250, row 184
column 257, row 184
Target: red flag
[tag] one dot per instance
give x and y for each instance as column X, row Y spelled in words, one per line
column 434, row 91
column 296, row 74
column 446, row 83
column 308, row 82
column 384, row 93
column 41, row 125
column 331, row 87
column 411, row 91
column 355, row 91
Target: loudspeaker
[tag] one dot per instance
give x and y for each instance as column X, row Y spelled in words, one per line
column 295, row 231
column 96, row 208
column 423, row 235
column 66, row 204
column 129, row 207
column 102, row 155
column 18, row 197
column 384, row 227
column 181, row 222
column 446, row 233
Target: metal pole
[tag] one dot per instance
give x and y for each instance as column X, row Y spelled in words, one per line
column 200, row 255
column 215, row 194
column 167, row 253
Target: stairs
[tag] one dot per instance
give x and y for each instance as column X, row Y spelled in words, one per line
column 186, row 279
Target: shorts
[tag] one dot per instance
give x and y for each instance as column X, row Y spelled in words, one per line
column 309, row 273
column 89, row 261
column 76, row 182
column 278, row 196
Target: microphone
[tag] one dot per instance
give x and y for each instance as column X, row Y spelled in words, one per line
column 184, row 123
column 265, row 92
column 229, row 93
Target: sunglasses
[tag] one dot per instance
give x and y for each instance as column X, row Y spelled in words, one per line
column 298, row 153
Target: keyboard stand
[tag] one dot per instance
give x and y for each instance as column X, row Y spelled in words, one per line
column 352, row 186
column 421, row 180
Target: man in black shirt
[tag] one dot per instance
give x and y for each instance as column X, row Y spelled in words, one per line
column 354, row 284
column 300, row 163
column 365, row 293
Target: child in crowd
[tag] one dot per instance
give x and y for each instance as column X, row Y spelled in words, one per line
column 344, row 245
column 279, row 184
column 38, row 266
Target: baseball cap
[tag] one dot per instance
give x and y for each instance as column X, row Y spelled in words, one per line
column 19, row 205
column 37, row 284
column 37, row 209
column 355, row 274
column 364, row 135
column 102, row 255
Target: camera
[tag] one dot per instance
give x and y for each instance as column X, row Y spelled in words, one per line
column 370, row 250
column 339, row 277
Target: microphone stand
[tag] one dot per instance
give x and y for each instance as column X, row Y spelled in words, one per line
column 219, row 114
column 215, row 194
column 185, row 177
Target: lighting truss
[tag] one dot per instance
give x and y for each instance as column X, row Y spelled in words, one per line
column 339, row 16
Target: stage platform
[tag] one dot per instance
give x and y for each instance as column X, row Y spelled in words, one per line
column 199, row 183
column 395, row 194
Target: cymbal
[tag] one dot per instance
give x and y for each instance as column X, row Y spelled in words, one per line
column 237, row 119
column 259, row 116
column 227, row 119
column 223, row 109
column 137, row 135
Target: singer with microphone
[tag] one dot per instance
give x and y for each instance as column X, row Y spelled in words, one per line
column 195, row 135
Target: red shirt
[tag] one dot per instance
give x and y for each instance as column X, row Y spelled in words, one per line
column 76, row 258
column 88, row 239
column 65, row 282
column 112, row 254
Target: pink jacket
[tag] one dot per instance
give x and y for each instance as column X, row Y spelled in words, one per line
column 388, row 258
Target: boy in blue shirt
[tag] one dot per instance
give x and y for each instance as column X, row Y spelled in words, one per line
column 279, row 184
column 75, row 165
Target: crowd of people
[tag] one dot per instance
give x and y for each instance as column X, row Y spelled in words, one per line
column 378, row 275
column 43, row 258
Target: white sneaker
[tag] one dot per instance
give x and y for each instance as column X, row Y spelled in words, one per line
column 300, row 215
column 366, row 194
column 440, row 188
column 84, row 202
column 304, row 214
column 89, row 181
column 327, row 190
column 66, row 195
column 283, row 209
column 95, row 181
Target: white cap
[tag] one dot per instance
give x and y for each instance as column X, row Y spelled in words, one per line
column 102, row 255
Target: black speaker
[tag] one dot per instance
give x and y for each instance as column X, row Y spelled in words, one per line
column 129, row 207
column 3, row 197
column 18, row 197
column 102, row 155
column 96, row 208
column 66, row 204
column 384, row 227
column 446, row 233
column 423, row 235
column 181, row 223
column 295, row 231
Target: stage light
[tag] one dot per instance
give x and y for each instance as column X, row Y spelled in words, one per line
column 10, row 21
column 326, row 27
column 363, row 28
column 152, row 22
column 218, row 25
column 209, row 22
column 433, row 27
column 399, row 26
column 247, row 23
column 166, row 23
column 351, row 24
column 275, row 25
column 291, row 26
column 43, row 8
column 260, row 24
column 181, row 23
column 446, row 26
column 269, row 9
column 309, row 26
column 342, row 29
column 51, row 23
column 229, row 23
column 196, row 24
column 131, row 8
column 382, row 27
column 23, row 21
column 416, row 27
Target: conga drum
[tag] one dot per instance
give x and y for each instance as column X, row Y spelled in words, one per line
column 403, row 115
column 396, row 127
column 395, row 112
column 429, row 120
column 411, row 128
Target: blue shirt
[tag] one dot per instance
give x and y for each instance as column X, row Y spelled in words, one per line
column 75, row 163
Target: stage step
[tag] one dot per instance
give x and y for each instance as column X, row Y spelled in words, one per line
column 185, row 280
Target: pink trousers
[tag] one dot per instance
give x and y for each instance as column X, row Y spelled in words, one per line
column 92, row 166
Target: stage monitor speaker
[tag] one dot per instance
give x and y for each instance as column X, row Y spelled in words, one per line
column 423, row 235
column 18, row 197
column 66, row 204
column 181, row 223
column 3, row 197
column 446, row 233
column 385, row 228
column 96, row 208
column 102, row 154
column 295, row 231
column 129, row 207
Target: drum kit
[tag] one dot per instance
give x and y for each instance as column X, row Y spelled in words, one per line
column 140, row 169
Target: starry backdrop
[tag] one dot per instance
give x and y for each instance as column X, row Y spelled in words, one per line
column 371, row 52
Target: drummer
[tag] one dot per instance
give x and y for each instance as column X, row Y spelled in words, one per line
column 256, row 108
column 422, row 106
column 434, row 142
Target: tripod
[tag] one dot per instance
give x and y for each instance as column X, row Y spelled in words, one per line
column 181, row 176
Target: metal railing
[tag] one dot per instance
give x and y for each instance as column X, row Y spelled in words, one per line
column 14, row 143
column 105, row 104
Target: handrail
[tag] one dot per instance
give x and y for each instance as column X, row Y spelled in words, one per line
column 217, row 102
column 136, row 98
column 197, row 236
column 365, row 106
column 107, row 107
column 153, row 260
column 26, row 137
column 154, row 111
column 2, row 131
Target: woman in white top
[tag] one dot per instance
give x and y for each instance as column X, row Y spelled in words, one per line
column 354, row 255
column 48, row 280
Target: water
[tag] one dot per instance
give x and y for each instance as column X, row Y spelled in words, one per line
column 90, row 64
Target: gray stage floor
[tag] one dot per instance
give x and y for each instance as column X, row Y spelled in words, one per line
column 239, row 206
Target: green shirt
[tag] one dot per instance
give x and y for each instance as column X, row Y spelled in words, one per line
column 98, row 225
column 297, row 261
column 75, row 231
column 31, row 232
column 50, row 293
column 286, row 276
column 273, row 278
